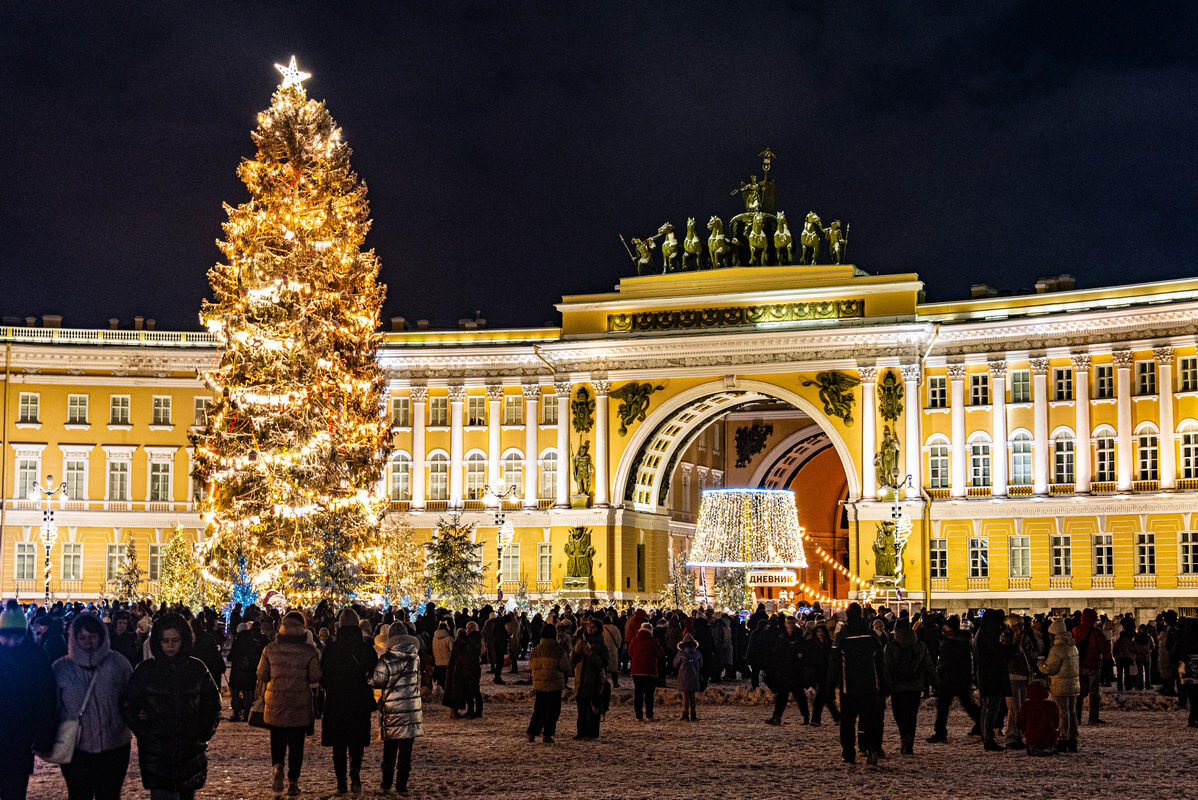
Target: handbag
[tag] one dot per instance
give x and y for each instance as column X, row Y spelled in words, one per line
column 257, row 717
column 67, row 735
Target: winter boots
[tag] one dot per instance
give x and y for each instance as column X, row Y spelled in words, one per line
column 276, row 783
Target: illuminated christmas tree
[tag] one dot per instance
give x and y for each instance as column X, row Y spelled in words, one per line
column 125, row 585
column 295, row 442
column 401, row 566
column 180, row 580
column 680, row 591
column 455, row 569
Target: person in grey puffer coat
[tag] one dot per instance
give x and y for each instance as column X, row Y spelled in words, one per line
column 102, row 751
column 1064, row 675
column 397, row 677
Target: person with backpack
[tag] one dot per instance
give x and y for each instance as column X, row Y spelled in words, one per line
column 908, row 664
column 591, row 689
column 1093, row 648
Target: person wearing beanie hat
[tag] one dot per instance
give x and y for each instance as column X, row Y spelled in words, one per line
column 644, row 654
column 549, row 664
column 348, row 618
column 28, row 694
column 397, row 677
column 244, row 655
column 289, row 667
column 1061, row 666
column 346, row 666
column 688, row 663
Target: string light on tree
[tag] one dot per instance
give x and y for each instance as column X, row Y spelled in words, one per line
column 748, row 529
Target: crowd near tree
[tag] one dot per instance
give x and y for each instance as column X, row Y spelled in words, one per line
column 85, row 680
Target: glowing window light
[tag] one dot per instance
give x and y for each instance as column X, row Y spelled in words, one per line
column 748, row 529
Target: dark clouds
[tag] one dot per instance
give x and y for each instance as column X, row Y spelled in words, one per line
column 507, row 145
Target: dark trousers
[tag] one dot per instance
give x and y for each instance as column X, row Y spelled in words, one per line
column 823, row 697
column 944, row 701
column 990, row 719
column 546, row 709
column 439, row 675
column 643, row 689
column 474, row 702
column 166, row 794
column 861, row 708
column 1091, row 686
column 1191, row 689
column 240, row 701
column 588, row 720
column 340, row 751
column 905, row 707
column 397, row 762
column 755, row 671
column 96, row 775
column 783, row 697
column 283, row 741
column 14, row 783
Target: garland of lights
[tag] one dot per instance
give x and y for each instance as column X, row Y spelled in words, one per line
column 748, row 529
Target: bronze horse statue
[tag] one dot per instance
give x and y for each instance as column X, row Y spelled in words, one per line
column 809, row 239
column 758, row 241
column 691, row 245
column 783, row 241
column 719, row 247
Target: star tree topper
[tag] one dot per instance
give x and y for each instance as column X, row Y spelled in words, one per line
column 292, row 76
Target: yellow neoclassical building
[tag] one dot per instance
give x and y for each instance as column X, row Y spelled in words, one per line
column 1050, row 439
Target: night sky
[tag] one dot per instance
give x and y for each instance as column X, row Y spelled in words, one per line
column 506, row 145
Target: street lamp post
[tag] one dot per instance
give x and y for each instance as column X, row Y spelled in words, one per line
column 49, row 529
column 504, row 535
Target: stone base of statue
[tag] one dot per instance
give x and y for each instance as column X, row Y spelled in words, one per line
column 580, row 501
column 576, row 589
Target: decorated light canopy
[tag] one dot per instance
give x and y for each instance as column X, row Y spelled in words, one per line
column 748, row 529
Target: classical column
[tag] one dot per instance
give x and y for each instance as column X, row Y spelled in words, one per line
column 1166, row 448
column 602, row 388
column 419, row 396
column 1124, row 473
column 457, row 397
column 998, row 427
column 912, row 408
column 1040, row 454
column 869, row 435
column 532, row 393
column 957, row 471
column 1081, row 397
column 494, row 420
column 562, row 398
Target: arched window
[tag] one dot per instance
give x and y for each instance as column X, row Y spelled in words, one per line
column 1187, row 433
column 979, row 460
column 1062, row 457
column 1147, row 452
column 1021, row 459
column 399, row 477
column 438, row 477
column 548, row 474
column 476, row 475
column 1104, row 454
column 513, row 471
column 938, row 475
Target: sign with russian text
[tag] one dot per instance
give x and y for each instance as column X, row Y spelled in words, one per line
column 776, row 577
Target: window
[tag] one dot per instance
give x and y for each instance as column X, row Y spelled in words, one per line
column 195, row 487
column 938, row 392
column 717, row 435
column 162, row 411
column 72, row 561
column 1062, row 556
column 118, row 410
column 979, row 464
column 1062, row 382
column 1105, row 383
column 118, row 480
column 26, row 555
column 399, row 477
column 1189, row 552
column 702, row 445
column 154, row 562
column 979, row 389
column 979, row 559
column 1104, row 458
column 1021, row 556
column 438, row 477
column 199, row 413
column 1062, row 464
column 1021, row 460
column 549, row 411
column 544, row 562
column 938, row 561
column 938, row 477
column 513, row 409
column 401, row 412
column 1145, row 377
column 476, row 476
column 77, row 409
column 1021, row 386
column 1189, row 454
column 686, row 490
column 510, row 564
column 1146, row 456
column 160, row 481
column 112, row 560
column 438, row 412
column 1187, row 374
column 1146, row 553
column 27, row 477
column 513, row 472
column 548, row 475
column 27, row 410
column 476, row 411
column 1104, row 554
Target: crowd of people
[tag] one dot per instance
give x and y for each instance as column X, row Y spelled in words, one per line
column 87, row 680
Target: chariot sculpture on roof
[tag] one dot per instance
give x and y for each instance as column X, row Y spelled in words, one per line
column 758, row 236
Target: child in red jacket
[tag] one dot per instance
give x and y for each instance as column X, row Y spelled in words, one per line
column 1038, row 718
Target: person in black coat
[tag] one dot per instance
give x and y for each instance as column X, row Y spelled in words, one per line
column 787, row 671
column 701, row 630
column 993, row 648
column 855, row 667
column 955, row 671
column 28, row 702
column 759, row 650
column 173, row 707
column 345, row 670
column 123, row 639
column 819, row 650
column 244, row 655
column 464, row 673
column 204, row 647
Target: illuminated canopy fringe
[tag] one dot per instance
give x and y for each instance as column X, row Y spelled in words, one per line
column 748, row 529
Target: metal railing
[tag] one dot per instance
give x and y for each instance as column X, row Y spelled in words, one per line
column 1019, row 490
column 1062, row 488
column 20, row 333
column 978, row 491
column 938, row 494
column 1103, row 487
column 1187, row 484
column 1145, row 486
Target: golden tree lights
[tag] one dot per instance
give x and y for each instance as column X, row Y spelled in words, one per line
column 294, row 445
column 747, row 529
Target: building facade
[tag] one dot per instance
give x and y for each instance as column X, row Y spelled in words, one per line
column 1051, row 439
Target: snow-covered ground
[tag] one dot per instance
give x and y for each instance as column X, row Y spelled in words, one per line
column 729, row 753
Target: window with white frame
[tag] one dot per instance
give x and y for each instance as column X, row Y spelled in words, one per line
column 161, row 414
column 1145, row 377
column 1062, row 461
column 938, row 558
column 979, row 558
column 1187, row 374
column 26, row 558
column 160, row 481
column 1188, row 540
column 1104, row 381
column 71, row 556
column 544, row 562
column 979, row 463
column 937, row 391
column 1104, row 458
column 513, row 472
column 74, row 474
column 1189, row 450
column 1146, row 456
column 511, row 563
column 199, row 411
column 548, row 475
column 476, row 410
column 1104, row 554
column 399, row 477
column 118, row 409
column 685, row 491
column 1146, row 553
column 1021, row 556
column 1062, row 555
column 401, row 412
column 195, row 486
column 1021, row 386
column 28, row 470
column 77, row 409
column 1021, row 459
column 979, row 389
column 1062, row 382
column 118, row 481
column 438, row 477
column 938, row 477
column 549, row 410
column 113, row 556
column 438, row 412
column 154, row 562
column 476, row 476
column 701, row 441
column 513, row 409
column 717, row 435
column 28, row 408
